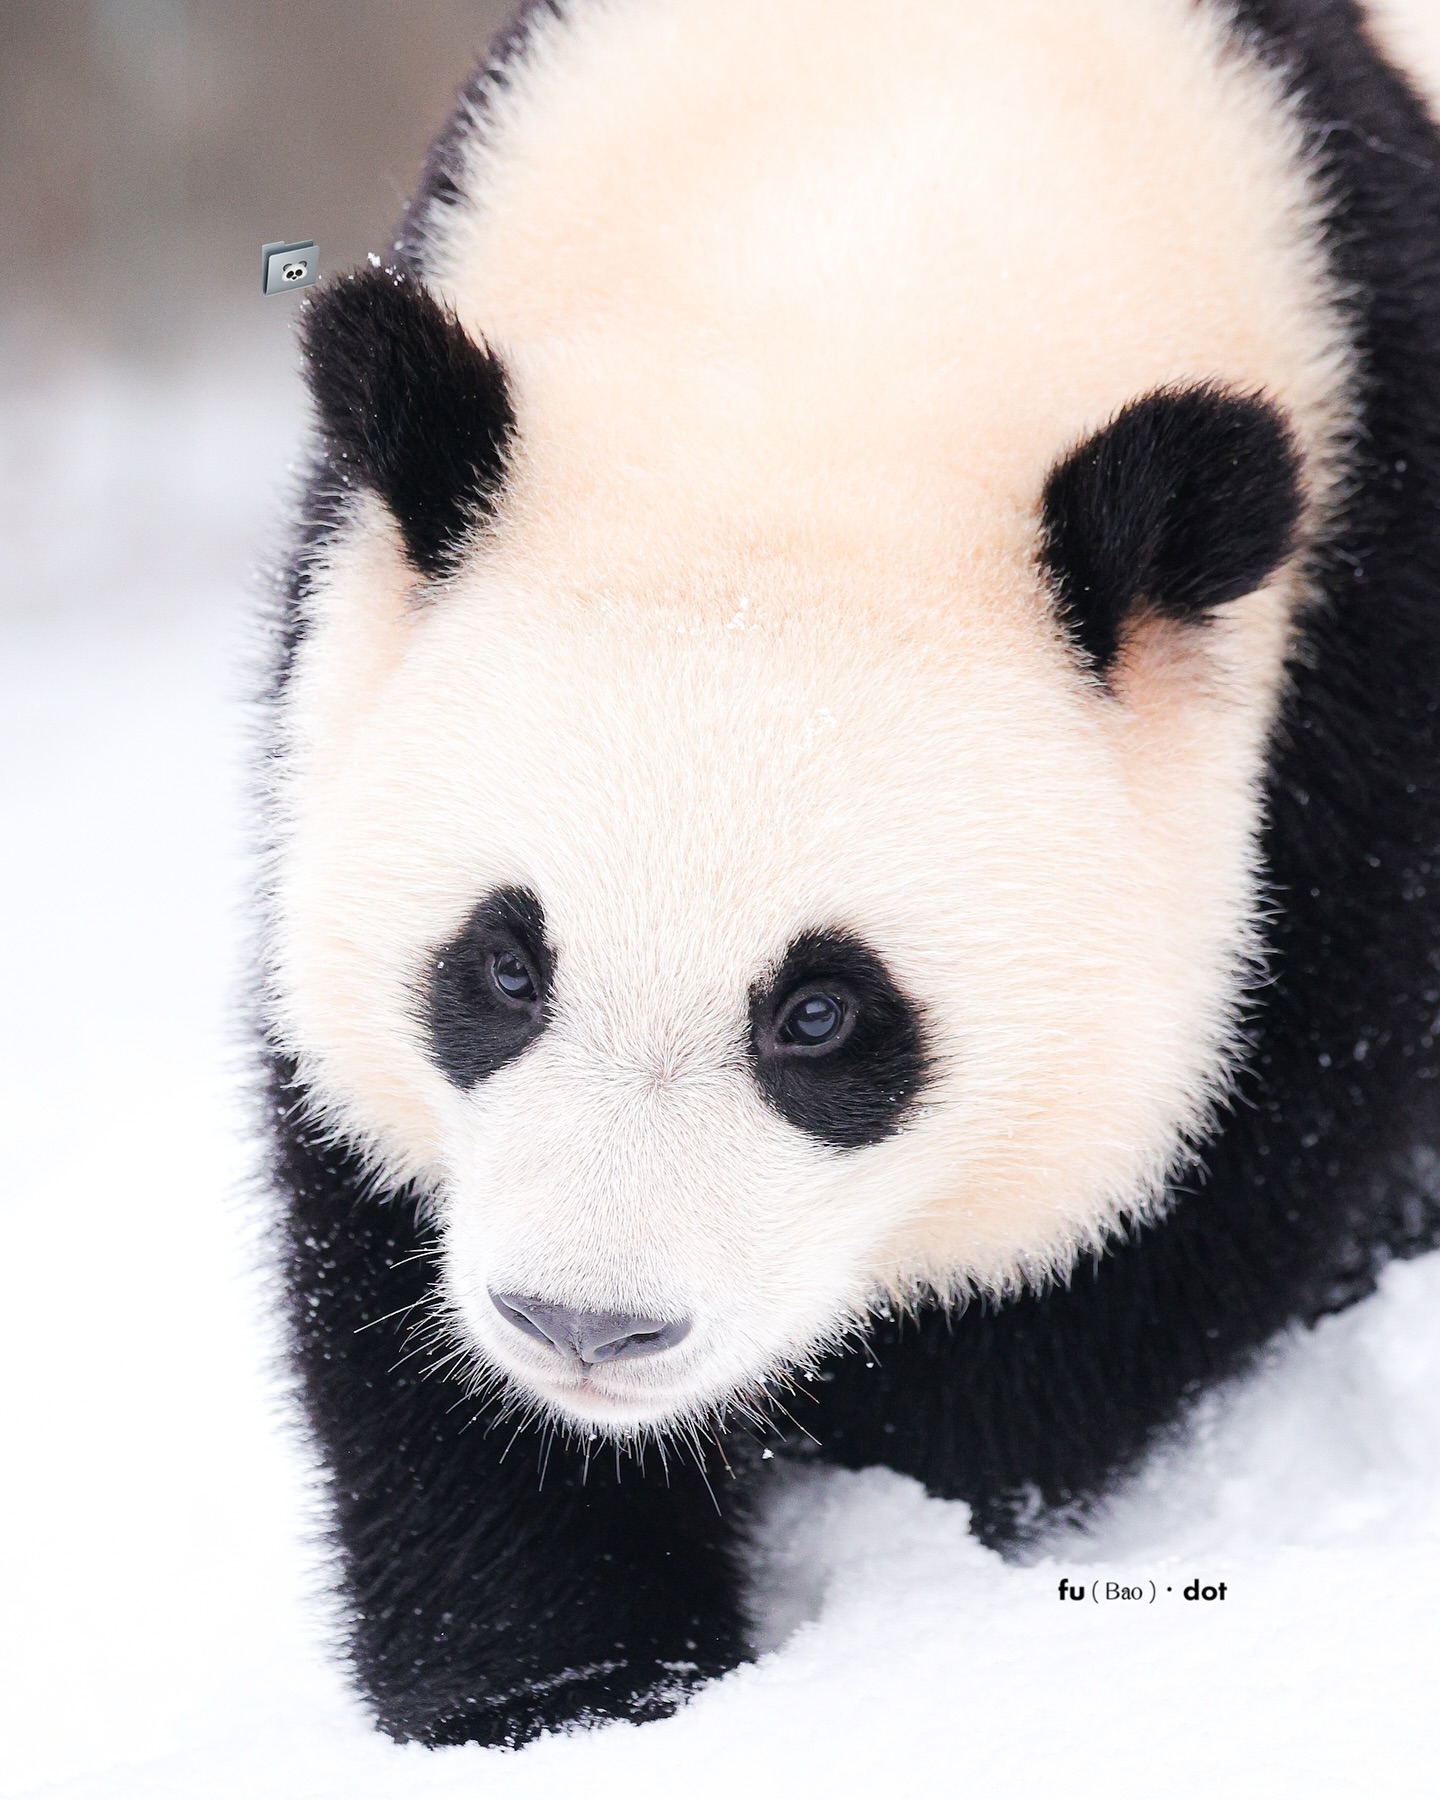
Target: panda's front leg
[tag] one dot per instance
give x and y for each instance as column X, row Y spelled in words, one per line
column 498, row 1585
column 492, row 1605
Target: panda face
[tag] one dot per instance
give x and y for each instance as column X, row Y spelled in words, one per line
column 770, row 780
column 827, row 1040
column 724, row 971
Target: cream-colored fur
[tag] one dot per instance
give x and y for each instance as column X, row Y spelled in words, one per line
column 1408, row 31
column 801, row 301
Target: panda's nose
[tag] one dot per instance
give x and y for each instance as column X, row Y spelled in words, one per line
column 589, row 1337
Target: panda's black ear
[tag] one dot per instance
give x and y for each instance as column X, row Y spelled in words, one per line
column 1188, row 498
column 410, row 406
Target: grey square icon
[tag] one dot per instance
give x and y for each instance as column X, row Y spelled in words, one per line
column 285, row 266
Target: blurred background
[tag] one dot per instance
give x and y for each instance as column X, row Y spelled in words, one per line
column 147, row 149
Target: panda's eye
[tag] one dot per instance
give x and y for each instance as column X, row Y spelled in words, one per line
column 485, row 991
column 512, row 979
column 814, row 1021
column 837, row 1048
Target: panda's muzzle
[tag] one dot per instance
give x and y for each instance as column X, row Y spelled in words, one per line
column 589, row 1337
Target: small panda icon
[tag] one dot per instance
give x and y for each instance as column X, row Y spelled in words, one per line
column 286, row 265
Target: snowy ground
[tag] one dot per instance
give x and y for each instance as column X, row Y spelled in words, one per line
column 161, row 1634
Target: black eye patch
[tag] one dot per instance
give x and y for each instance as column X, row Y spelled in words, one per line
column 487, row 990
column 837, row 1048
column 1187, row 499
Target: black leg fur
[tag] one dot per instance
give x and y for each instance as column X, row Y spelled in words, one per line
column 487, row 1602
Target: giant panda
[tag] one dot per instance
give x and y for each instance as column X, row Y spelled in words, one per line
column 852, row 794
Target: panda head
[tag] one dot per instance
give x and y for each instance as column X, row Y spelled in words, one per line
column 737, row 924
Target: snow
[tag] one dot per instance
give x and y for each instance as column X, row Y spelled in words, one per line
column 164, row 1624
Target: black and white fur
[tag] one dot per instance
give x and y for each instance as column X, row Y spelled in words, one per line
column 934, row 510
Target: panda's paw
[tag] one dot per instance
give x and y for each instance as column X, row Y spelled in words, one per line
column 583, row 1697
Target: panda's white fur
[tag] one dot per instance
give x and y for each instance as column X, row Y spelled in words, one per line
column 800, row 303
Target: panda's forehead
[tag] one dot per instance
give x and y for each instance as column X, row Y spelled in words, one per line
column 719, row 281
column 714, row 764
